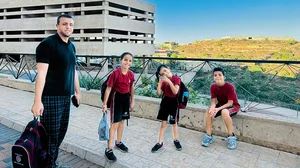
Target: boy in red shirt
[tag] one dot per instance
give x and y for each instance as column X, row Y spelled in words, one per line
column 168, row 85
column 224, row 103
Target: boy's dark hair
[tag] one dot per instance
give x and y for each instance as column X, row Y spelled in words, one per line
column 158, row 69
column 219, row 69
column 125, row 53
column 63, row 16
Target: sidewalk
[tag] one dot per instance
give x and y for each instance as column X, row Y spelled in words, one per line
column 140, row 136
column 8, row 138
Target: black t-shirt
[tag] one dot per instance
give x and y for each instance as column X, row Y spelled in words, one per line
column 61, row 59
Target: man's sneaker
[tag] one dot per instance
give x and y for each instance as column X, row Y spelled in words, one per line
column 157, row 147
column 207, row 140
column 110, row 155
column 56, row 163
column 231, row 142
column 177, row 145
column 121, row 147
column 53, row 164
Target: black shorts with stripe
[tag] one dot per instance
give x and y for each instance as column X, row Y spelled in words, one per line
column 233, row 110
column 169, row 108
column 119, row 107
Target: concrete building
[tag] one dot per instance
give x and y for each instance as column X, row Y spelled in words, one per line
column 102, row 27
column 160, row 52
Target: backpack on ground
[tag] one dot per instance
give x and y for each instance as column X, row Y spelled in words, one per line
column 183, row 96
column 30, row 150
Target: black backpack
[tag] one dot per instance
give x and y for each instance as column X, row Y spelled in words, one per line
column 103, row 89
column 30, row 150
column 183, row 96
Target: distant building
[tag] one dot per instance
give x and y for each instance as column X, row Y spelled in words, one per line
column 160, row 52
column 103, row 27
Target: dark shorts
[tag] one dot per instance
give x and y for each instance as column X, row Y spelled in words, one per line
column 169, row 107
column 119, row 107
column 233, row 110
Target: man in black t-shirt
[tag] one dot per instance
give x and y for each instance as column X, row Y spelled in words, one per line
column 56, row 81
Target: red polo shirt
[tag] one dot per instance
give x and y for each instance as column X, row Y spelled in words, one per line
column 120, row 82
column 165, row 87
column 224, row 93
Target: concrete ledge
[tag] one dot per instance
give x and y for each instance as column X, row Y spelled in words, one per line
column 10, row 81
column 275, row 132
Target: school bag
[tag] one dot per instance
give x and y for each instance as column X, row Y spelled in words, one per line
column 30, row 150
column 103, row 89
column 183, row 96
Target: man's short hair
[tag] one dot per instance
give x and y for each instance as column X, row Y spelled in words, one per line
column 63, row 16
column 219, row 69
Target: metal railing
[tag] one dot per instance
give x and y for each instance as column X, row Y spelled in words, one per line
column 19, row 66
column 261, row 85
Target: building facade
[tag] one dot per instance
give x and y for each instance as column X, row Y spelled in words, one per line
column 102, row 27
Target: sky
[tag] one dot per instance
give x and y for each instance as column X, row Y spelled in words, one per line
column 185, row 21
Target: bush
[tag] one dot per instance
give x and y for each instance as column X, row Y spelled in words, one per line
column 194, row 96
column 291, row 42
column 147, row 91
column 90, row 83
column 255, row 68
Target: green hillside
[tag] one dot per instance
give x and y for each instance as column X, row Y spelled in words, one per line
column 242, row 49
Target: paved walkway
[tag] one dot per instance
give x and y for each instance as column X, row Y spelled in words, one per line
column 8, row 138
column 140, row 136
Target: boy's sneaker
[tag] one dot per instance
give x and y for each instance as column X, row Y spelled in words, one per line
column 207, row 140
column 157, row 147
column 110, row 155
column 177, row 145
column 121, row 147
column 231, row 142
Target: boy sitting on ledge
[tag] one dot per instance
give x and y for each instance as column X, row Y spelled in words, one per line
column 224, row 103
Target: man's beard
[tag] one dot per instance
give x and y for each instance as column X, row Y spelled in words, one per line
column 65, row 35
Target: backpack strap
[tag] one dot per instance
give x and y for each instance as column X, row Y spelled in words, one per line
column 178, row 93
column 131, row 77
column 115, row 78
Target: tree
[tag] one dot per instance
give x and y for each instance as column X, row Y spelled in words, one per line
column 174, row 55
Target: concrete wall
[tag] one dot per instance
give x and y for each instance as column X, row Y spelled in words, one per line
column 118, row 23
column 81, row 22
column 136, row 49
column 94, row 48
column 274, row 132
column 19, row 3
column 137, row 4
